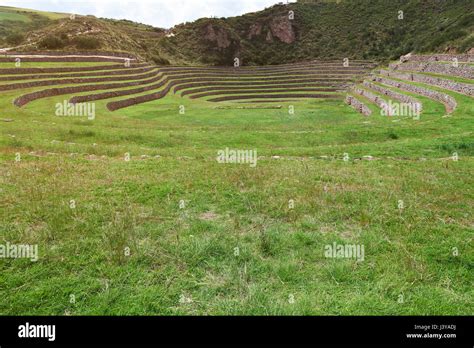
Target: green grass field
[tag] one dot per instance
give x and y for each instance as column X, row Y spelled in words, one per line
column 127, row 245
column 21, row 14
column 10, row 16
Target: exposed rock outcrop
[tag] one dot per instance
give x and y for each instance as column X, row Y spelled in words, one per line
column 255, row 30
column 269, row 37
column 282, row 29
column 217, row 35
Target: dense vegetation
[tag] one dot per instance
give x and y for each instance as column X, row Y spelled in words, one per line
column 372, row 29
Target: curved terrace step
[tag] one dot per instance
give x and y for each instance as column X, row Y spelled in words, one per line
column 462, row 70
column 449, row 102
column 77, row 75
column 379, row 101
column 467, row 58
column 300, row 80
column 28, row 98
column 65, row 59
column 26, row 85
column 258, row 91
column 206, row 89
column 115, row 94
column 358, row 105
column 403, row 98
column 14, row 71
column 459, row 87
column 278, row 96
column 215, row 82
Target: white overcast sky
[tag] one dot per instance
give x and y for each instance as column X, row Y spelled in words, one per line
column 160, row 13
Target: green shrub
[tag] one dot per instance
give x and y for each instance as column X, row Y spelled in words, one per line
column 64, row 37
column 392, row 135
column 467, row 45
column 15, row 39
column 87, row 43
column 159, row 60
column 52, row 43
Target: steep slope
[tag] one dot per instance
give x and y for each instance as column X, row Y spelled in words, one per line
column 375, row 29
column 16, row 23
column 27, row 30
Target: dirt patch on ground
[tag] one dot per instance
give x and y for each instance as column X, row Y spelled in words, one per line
column 208, row 216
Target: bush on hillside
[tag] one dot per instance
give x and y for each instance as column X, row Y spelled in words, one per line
column 64, row 37
column 159, row 60
column 87, row 43
column 467, row 45
column 15, row 39
column 51, row 43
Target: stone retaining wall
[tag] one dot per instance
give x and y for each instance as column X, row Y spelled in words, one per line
column 19, row 71
column 288, row 67
column 379, row 101
column 115, row 94
column 273, row 96
column 26, row 85
column 75, row 53
column 27, row 98
column 216, row 88
column 462, row 70
column 59, row 59
column 76, row 75
column 240, row 91
column 217, row 82
column 394, row 95
column 449, row 102
column 451, row 85
column 120, row 104
column 468, row 58
column 358, row 105
column 259, row 74
column 183, row 81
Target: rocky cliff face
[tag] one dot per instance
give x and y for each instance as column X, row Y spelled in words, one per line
column 280, row 28
column 255, row 30
column 325, row 30
column 217, row 35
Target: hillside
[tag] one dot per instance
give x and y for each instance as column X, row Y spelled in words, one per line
column 326, row 30
column 276, row 35
column 31, row 30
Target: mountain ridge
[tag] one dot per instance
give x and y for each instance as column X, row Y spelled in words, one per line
column 283, row 33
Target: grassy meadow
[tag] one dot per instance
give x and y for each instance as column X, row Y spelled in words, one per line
column 174, row 232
